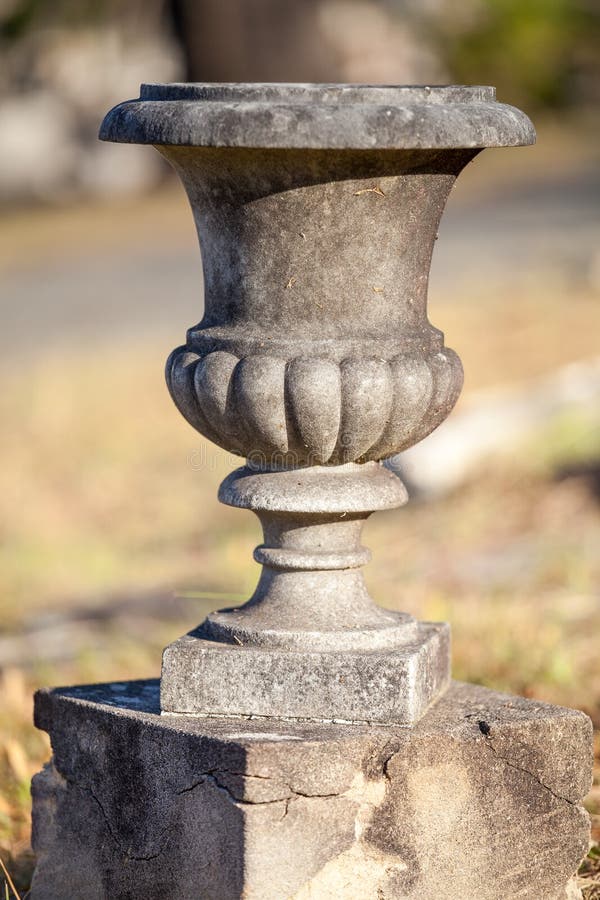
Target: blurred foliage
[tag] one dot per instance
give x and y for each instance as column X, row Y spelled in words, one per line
column 23, row 15
column 19, row 17
column 539, row 53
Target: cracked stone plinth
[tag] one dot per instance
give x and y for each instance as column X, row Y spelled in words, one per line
column 317, row 208
column 481, row 800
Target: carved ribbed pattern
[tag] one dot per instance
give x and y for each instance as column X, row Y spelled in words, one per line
column 312, row 410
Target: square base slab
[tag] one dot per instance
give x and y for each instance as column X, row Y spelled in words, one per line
column 203, row 677
column 479, row 801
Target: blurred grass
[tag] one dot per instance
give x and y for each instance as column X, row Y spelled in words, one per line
column 105, row 492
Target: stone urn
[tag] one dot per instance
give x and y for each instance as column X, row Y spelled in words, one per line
column 317, row 209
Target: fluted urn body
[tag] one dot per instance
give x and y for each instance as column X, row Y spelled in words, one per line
column 315, row 346
column 317, row 209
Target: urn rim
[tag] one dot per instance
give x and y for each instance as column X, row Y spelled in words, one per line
column 295, row 92
column 317, row 116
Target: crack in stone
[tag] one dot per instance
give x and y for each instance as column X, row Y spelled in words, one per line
column 204, row 777
column 210, row 776
column 88, row 790
column 298, row 793
column 127, row 853
column 388, row 759
column 286, row 784
column 486, row 732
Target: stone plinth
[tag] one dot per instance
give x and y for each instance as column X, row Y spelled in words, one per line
column 397, row 685
column 481, row 800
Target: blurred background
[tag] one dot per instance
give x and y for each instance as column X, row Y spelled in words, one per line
column 112, row 540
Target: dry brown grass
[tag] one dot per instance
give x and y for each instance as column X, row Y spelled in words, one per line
column 589, row 875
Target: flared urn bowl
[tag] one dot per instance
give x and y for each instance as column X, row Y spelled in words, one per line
column 317, row 209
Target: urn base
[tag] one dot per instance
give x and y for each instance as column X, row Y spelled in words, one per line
column 392, row 686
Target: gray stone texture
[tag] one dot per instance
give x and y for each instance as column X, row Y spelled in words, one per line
column 481, row 800
column 310, row 643
column 207, row 677
column 317, row 209
column 318, row 115
column 315, row 347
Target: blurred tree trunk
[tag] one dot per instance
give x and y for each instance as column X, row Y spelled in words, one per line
column 253, row 40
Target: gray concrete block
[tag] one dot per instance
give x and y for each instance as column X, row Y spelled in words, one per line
column 481, row 800
column 389, row 686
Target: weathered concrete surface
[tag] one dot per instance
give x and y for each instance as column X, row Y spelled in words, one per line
column 317, row 115
column 479, row 801
column 315, row 347
column 204, row 677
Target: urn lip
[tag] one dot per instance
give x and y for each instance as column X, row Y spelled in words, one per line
column 294, row 92
column 318, row 116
